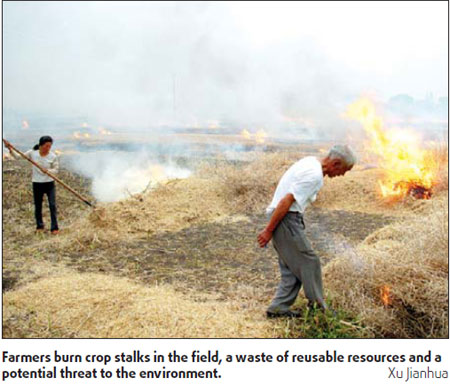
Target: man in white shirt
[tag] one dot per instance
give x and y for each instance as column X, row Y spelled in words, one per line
column 299, row 265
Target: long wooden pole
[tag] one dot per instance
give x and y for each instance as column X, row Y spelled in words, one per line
column 49, row 174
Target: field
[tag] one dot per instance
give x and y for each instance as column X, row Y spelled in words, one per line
column 182, row 260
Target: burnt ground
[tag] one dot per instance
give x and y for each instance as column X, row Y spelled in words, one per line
column 222, row 259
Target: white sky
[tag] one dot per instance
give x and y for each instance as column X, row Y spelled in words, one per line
column 243, row 61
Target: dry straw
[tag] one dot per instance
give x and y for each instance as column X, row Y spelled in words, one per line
column 100, row 306
column 410, row 257
column 409, row 260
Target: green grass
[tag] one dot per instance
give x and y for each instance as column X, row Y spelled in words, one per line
column 318, row 324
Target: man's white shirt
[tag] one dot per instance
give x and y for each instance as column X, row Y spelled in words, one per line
column 304, row 180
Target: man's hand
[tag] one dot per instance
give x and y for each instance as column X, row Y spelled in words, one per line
column 280, row 211
column 264, row 237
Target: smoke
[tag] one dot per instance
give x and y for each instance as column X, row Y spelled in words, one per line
column 156, row 64
column 117, row 175
column 288, row 70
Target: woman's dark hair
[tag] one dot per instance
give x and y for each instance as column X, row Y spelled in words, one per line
column 42, row 141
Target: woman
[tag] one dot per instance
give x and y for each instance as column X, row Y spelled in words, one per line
column 42, row 183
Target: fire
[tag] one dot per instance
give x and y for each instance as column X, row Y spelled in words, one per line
column 246, row 134
column 25, row 124
column 103, row 131
column 385, row 295
column 409, row 169
column 259, row 137
column 79, row 135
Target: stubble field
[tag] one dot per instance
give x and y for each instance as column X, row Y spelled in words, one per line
column 182, row 260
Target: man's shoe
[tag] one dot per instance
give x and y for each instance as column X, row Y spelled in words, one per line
column 55, row 232
column 284, row 314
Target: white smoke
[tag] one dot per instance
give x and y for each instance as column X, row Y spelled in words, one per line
column 117, row 175
column 155, row 64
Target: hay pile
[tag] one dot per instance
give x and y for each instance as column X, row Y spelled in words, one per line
column 100, row 306
column 356, row 191
column 213, row 194
column 249, row 188
column 169, row 208
column 410, row 258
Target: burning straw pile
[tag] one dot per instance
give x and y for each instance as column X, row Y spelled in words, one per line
column 397, row 279
column 399, row 274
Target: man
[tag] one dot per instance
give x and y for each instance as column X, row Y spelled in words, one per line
column 299, row 265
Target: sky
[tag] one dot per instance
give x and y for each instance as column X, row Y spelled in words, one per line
column 238, row 63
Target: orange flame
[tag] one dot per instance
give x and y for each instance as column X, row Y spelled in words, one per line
column 385, row 295
column 406, row 164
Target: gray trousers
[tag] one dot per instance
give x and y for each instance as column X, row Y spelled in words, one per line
column 299, row 265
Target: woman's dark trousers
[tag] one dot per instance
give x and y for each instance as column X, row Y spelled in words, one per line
column 39, row 189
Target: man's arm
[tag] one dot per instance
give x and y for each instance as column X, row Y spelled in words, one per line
column 278, row 214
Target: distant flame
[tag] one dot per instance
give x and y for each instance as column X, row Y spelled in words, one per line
column 407, row 166
column 103, row 131
column 259, row 137
column 246, row 134
column 78, row 135
column 25, row 124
